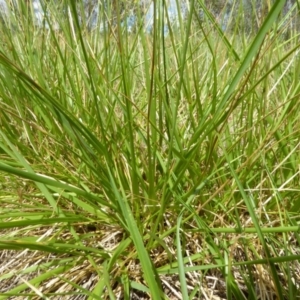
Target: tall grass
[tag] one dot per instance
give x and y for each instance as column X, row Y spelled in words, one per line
column 159, row 165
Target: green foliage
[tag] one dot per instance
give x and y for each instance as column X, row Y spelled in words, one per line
column 149, row 165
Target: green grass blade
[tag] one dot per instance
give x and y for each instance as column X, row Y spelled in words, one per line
column 257, row 227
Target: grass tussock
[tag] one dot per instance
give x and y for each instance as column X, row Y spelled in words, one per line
column 156, row 166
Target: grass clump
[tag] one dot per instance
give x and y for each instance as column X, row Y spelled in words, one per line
column 149, row 165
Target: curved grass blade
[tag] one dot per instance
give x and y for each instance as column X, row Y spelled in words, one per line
column 148, row 268
column 257, row 227
column 181, row 269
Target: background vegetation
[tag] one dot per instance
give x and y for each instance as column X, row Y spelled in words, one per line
column 162, row 165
